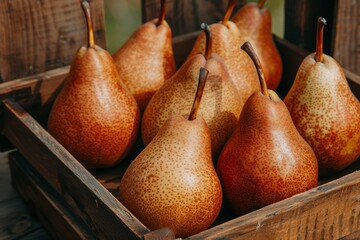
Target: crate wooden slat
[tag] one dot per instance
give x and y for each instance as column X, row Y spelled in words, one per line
column 37, row 36
column 47, row 205
column 91, row 196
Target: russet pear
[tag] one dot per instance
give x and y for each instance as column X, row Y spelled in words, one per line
column 221, row 101
column 172, row 182
column 146, row 59
column 324, row 110
column 94, row 117
column 254, row 22
column 226, row 42
column 266, row 159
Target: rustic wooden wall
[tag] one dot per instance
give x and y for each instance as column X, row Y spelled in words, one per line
column 341, row 35
column 346, row 43
column 186, row 15
column 36, row 36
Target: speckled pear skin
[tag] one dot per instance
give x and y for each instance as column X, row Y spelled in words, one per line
column 326, row 113
column 220, row 106
column 255, row 26
column 266, row 159
column 146, row 60
column 172, row 182
column 93, row 116
column 226, row 42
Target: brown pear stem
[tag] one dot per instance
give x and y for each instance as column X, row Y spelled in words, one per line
column 261, row 3
column 162, row 13
column 251, row 52
column 208, row 38
column 199, row 92
column 319, row 39
column 229, row 11
column 86, row 8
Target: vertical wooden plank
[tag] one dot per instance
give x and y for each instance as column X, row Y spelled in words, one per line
column 37, row 36
column 347, row 36
column 186, row 15
column 301, row 21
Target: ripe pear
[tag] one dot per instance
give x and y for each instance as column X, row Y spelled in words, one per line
column 146, row 59
column 324, row 110
column 266, row 159
column 227, row 40
column 94, row 117
column 172, row 182
column 254, row 22
column 222, row 103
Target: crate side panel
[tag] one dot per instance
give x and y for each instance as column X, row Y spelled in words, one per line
column 37, row 36
column 330, row 211
column 83, row 194
column 53, row 215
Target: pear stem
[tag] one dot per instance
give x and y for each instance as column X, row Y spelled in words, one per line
column 208, row 38
column 162, row 13
column 229, row 11
column 261, row 3
column 86, row 8
column 251, row 52
column 199, row 92
column 319, row 39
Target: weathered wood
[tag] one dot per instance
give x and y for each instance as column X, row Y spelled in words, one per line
column 341, row 35
column 301, row 22
column 185, row 16
column 83, row 194
column 330, row 211
column 37, row 36
column 15, row 219
column 346, row 46
column 45, row 203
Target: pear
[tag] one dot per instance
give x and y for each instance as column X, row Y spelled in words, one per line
column 222, row 103
column 227, row 40
column 254, row 22
column 94, row 117
column 266, row 159
column 172, row 182
column 146, row 59
column 324, row 110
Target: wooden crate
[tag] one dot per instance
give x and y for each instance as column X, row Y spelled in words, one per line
column 74, row 203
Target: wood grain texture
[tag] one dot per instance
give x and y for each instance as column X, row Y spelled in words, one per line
column 46, row 205
column 37, row 36
column 83, row 194
column 346, row 46
column 301, row 22
column 185, row 16
column 341, row 34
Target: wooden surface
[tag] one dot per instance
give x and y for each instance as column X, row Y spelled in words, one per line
column 346, row 47
column 341, row 34
column 16, row 221
column 37, row 36
column 185, row 16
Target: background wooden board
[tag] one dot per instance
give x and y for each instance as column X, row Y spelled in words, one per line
column 186, row 15
column 341, row 34
column 37, row 36
column 346, row 46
